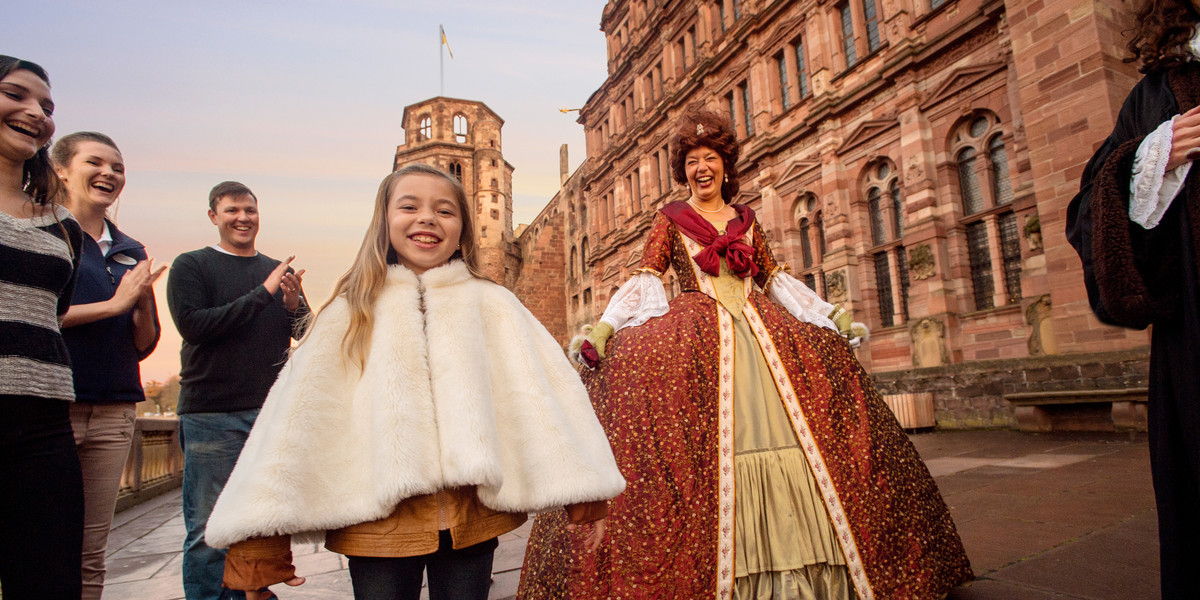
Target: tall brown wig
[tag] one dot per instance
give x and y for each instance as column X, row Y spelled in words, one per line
column 699, row 127
column 1161, row 33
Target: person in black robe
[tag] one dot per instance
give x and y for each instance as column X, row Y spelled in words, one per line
column 1145, row 273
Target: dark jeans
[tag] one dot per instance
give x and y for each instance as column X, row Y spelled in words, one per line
column 463, row 574
column 211, row 445
column 41, row 501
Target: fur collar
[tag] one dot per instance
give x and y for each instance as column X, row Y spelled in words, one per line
column 461, row 386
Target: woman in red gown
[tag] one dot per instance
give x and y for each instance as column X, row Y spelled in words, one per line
column 761, row 462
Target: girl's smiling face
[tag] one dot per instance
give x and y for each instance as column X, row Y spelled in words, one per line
column 424, row 221
column 705, row 172
column 26, row 110
column 95, row 174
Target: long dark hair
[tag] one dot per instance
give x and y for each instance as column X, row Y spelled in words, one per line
column 1161, row 33
column 37, row 176
column 703, row 127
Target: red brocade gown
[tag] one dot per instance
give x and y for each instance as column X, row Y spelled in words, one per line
column 795, row 482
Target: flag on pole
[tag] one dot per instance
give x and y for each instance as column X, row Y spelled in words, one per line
column 446, row 43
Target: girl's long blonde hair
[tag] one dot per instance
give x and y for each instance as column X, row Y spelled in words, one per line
column 362, row 282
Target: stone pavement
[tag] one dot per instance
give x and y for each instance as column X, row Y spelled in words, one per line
column 1043, row 516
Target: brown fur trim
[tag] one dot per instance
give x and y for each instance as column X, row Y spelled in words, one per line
column 1133, row 294
column 1123, row 290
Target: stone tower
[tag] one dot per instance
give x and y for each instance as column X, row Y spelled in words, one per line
column 462, row 137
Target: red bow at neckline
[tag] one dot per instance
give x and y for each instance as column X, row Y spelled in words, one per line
column 737, row 253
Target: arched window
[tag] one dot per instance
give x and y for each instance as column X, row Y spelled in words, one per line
column 583, row 256
column 493, row 183
column 574, row 257
column 426, row 128
column 885, row 213
column 1001, row 186
column 885, row 209
column 583, row 222
column 875, row 212
column 968, row 182
column 460, row 128
column 456, row 170
column 897, row 198
column 807, row 218
column 986, row 226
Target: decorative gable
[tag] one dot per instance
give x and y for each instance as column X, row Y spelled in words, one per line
column 797, row 169
column 869, row 130
column 960, row 80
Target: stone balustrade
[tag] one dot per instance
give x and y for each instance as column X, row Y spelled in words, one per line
column 155, row 463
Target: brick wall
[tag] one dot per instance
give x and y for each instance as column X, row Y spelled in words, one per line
column 971, row 394
column 539, row 283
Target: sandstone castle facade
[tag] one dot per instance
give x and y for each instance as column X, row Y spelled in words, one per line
column 910, row 159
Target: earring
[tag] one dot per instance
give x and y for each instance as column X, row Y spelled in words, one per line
column 727, row 178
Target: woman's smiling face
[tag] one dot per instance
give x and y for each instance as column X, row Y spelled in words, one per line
column 705, row 170
column 95, row 174
column 26, row 110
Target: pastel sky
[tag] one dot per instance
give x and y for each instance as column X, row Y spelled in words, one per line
column 300, row 100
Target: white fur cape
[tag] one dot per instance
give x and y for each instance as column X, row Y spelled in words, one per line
column 474, row 391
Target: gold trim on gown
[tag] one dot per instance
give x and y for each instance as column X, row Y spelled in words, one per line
column 785, row 546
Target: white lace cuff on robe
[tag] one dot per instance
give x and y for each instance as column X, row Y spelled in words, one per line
column 802, row 302
column 641, row 298
column 1153, row 187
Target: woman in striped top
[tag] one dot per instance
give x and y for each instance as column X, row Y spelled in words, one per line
column 41, row 499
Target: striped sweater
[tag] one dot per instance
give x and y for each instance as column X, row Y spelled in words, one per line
column 37, row 276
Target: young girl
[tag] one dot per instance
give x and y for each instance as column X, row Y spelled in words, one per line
column 41, row 501
column 426, row 413
column 111, row 326
column 1136, row 226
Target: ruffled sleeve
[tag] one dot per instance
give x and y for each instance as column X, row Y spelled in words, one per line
column 641, row 298
column 1153, row 187
column 800, row 301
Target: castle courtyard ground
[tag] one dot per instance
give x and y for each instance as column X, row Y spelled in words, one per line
column 1043, row 516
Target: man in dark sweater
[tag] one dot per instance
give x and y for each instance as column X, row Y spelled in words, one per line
column 237, row 311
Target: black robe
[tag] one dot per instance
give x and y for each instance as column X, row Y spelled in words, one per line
column 1137, row 277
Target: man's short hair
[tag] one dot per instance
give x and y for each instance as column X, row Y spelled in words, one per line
column 226, row 189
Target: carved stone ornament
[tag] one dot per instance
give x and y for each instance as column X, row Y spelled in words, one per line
column 1033, row 232
column 835, row 286
column 920, row 262
column 913, row 173
column 928, row 346
column 1041, row 328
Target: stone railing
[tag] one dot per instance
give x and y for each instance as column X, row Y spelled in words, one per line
column 155, row 463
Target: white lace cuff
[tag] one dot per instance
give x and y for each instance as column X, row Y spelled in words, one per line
column 802, row 302
column 1153, row 187
column 641, row 298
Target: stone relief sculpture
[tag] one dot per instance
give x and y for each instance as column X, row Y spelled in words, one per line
column 920, row 262
column 1041, row 328
column 1033, row 232
column 929, row 349
column 835, row 286
column 913, row 173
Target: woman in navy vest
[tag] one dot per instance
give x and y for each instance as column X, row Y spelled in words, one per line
column 111, row 326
